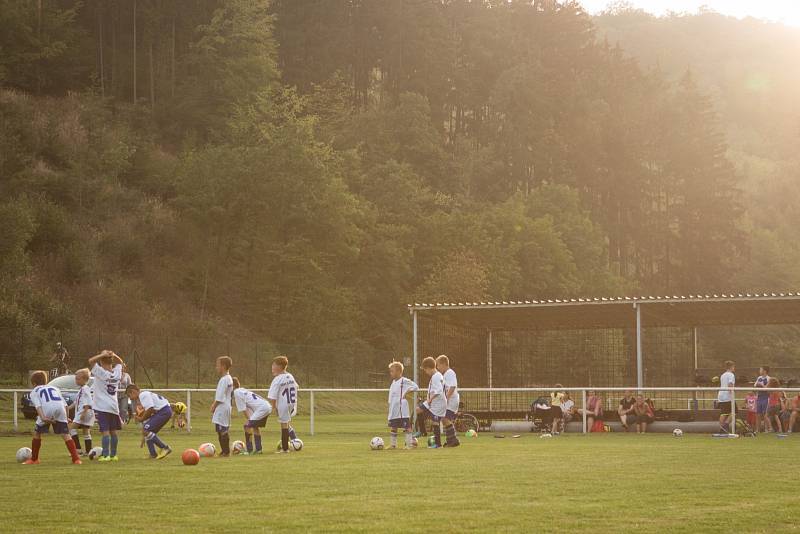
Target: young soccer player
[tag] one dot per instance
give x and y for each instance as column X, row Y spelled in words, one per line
column 84, row 416
column 435, row 406
column 399, row 414
column 178, row 415
column 725, row 399
column 283, row 398
column 762, row 404
column 452, row 400
column 155, row 413
column 221, row 407
column 107, row 370
column 52, row 411
column 257, row 410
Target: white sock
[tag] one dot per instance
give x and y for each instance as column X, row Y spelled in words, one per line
column 408, row 439
column 394, row 439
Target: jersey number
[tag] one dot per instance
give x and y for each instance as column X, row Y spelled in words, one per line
column 291, row 395
column 49, row 395
column 111, row 389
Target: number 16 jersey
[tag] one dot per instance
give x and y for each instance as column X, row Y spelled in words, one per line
column 283, row 391
column 104, row 388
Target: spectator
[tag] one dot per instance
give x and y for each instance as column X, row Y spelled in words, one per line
column 61, row 358
column 626, row 408
column 643, row 410
column 763, row 400
column 593, row 409
column 752, row 413
column 786, row 411
column 122, row 397
column 774, row 405
column 795, row 409
column 725, row 400
column 567, row 410
column 556, row 413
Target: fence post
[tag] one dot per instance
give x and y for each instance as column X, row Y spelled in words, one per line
column 311, row 424
column 197, row 361
column 22, row 354
column 14, row 411
column 189, row 410
column 583, row 395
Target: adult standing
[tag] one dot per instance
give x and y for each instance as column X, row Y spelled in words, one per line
column 725, row 397
column 61, row 358
column 762, row 402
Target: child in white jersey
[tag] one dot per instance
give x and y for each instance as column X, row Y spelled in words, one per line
column 156, row 412
column 257, row 410
column 435, row 406
column 83, row 419
column 52, row 411
column 283, row 398
column 107, row 370
column 221, row 407
column 452, row 399
column 399, row 413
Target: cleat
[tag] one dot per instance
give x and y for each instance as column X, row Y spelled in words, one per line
column 281, row 452
column 164, row 453
column 260, row 451
column 148, row 457
column 114, row 458
column 434, row 446
column 77, row 462
column 104, row 459
column 30, row 461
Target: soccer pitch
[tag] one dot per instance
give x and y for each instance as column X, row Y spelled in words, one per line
column 610, row 482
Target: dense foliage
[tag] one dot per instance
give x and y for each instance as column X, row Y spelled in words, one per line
column 299, row 170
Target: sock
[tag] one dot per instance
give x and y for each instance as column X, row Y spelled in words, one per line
column 285, row 439
column 36, row 444
column 75, row 439
column 152, row 448
column 437, row 434
column 421, row 424
column 225, row 442
column 258, row 442
column 393, row 435
column 158, row 443
column 292, row 433
column 87, row 442
column 408, row 439
column 106, row 443
column 450, row 432
column 73, row 451
column 114, row 441
column 248, row 440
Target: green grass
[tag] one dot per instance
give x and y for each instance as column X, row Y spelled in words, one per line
column 613, row 482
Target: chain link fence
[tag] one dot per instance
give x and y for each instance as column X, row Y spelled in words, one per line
column 175, row 361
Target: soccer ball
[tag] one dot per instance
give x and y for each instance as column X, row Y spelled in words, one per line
column 376, row 443
column 180, row 408
column 24, row 454
column 677, row 432
column 471, row 433
column 190, row 457
column 237, row 447
column 295, row 444
column 546, row 435
column 95, row 453
column 414, row 443
column 207, row 449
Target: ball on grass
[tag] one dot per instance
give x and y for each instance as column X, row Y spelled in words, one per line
column 24, row 454
column 237, row 447
column 376, row 443
column 95, row 453
column 190, row 457
column 295, row 444
column 471, row 433
column 207, row 449
column 677, row 432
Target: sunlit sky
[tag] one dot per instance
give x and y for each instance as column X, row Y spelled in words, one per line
column 785, row 11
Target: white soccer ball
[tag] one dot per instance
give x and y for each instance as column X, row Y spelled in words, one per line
column 295, row 444
column 414, row 443
column 238, row 447
column 545, row 436
column 24, row 454
column 677, row 432
column 376, row 443
column 95, row 453
column 207, row 449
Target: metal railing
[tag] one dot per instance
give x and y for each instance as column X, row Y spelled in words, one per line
column 582, row 391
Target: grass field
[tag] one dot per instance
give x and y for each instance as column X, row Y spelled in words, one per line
column 608, row 483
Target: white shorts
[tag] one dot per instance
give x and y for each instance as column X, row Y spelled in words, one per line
column 286, row 412
column 85, row 419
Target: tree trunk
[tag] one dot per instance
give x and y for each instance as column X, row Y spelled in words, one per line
column 152, row 80
column 172, row 58
column 114, row 49
column 134, row 52
column 100, row 39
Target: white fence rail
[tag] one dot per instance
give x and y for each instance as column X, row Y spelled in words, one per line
column 16, row 396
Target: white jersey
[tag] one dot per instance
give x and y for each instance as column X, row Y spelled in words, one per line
column 84, row 399
column 450, row 381
column 283, row 391
column 104, row 389
column 727, row 380
column 148, row 400
column 438, row 406
column 222, row 414
column 398, row 405
column 247, row 400
column 51, row 402
column 124, row 382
